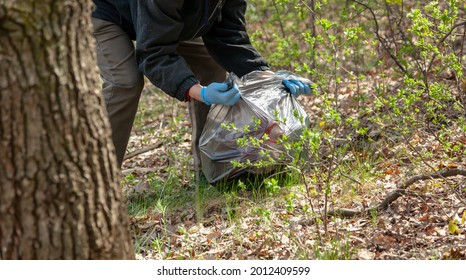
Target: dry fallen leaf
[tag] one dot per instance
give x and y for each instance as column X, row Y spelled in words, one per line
column 214, row 235
column 424, row 218
column 381, row 239
column 365, row 254
column 194, row 229
column 456, row 254
column 381, row 224
column 285, row 240
column 173, row 239
column 392, row 171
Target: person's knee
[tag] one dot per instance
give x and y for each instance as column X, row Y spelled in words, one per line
column 133, row 80
column 126, row 87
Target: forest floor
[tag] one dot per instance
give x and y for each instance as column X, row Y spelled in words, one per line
column 171, row 218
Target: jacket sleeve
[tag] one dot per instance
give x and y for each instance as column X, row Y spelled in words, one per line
column 158, row 25
column 228, row 42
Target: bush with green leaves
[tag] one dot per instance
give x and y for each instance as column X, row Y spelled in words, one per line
column 386, row 71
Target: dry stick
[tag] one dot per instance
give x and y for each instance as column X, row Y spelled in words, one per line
column 348, row 213
column 144, row 150
column 138, row 169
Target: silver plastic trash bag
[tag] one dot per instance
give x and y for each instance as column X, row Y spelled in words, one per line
column 266, row 107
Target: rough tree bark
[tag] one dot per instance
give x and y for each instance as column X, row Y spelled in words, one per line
column 59, row 180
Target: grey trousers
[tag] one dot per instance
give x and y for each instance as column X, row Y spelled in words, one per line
column 123, row 83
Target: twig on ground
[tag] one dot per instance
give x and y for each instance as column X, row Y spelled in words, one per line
column 348, row 213
column 139, row 169
column 143, row 150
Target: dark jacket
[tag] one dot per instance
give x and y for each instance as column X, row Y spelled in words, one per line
column 158, row 26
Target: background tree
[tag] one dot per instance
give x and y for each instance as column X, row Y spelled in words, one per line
column 59, row 181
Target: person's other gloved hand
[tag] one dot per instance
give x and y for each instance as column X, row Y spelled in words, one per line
column 220, row 93
column 297, row 87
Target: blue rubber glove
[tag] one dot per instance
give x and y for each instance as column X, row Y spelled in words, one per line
column 220, row 93
column 297, row 87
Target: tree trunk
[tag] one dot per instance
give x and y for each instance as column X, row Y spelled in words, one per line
column 59, row 181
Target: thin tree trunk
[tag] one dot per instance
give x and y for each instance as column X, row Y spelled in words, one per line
column 59, row 180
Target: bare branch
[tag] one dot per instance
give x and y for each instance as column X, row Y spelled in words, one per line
column 381, row 39
column 347, row 213
column 144, row 150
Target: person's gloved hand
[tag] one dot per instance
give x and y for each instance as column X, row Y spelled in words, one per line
column 297, row 87
column 220, row 93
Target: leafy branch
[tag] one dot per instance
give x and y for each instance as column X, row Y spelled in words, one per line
column 442, row 40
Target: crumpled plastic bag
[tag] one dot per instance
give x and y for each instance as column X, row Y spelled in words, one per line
column 265, row 107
